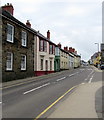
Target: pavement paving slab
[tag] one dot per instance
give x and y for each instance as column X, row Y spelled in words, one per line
column 80, row 104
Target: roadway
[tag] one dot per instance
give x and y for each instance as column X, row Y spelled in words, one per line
column 30, row 99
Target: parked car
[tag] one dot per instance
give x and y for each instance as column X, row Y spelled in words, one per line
column 102, row 66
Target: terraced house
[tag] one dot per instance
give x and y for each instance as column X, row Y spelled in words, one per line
column 27, row 53
column 17, row 46
column 77, row 58
column 57, row 58
column 45, row 54
column 64, row 59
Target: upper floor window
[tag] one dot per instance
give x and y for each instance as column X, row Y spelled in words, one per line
column 23, row 62
column 57, row 52
column 24, row 38
column 10, row 33
column 41, row 45
column 53, row 49
column 9, row 61
column 45, row 46
column 50, row 49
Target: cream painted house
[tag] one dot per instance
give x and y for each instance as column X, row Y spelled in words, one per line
column 64, row 60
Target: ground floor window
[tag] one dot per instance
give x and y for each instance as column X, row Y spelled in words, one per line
column 9, row 61
column 41, row 64
column 50, row 65
column 23, row 62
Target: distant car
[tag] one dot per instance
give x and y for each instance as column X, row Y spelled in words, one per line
column 102, row 66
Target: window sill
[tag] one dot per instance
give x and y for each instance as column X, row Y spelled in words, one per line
column 23, row 46
column 9, row 41
column 9, row 70
column 23, row 70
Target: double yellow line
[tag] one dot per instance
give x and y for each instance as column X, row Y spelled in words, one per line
column 54, row 103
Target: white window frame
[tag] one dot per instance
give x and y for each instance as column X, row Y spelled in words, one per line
column 24, row 63
column 12, row 34
column 41, row 45
column 11, row 68
column 24, row 39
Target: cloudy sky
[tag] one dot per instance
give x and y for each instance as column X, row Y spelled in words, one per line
column 73, row 23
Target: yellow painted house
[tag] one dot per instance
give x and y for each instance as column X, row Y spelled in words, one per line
column 97, row 59
column 64, row 59
column 77, row 60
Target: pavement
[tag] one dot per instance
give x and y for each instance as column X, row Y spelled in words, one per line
column 79, row 104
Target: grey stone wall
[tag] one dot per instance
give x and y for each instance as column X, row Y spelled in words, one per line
column 17, row 49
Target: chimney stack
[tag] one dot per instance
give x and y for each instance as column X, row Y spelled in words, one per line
column 28, row 23
column 73, row 50
column 59, row 45
column 66, row 48
column 9, row 8
column 70, row 49
column 48, row 34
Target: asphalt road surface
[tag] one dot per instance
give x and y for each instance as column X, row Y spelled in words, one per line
column 30, row 99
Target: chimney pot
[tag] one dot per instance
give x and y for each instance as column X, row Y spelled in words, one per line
column 70, row 49
column 8, row 7
column 48, row 34
column 59, row 45
column 73, row 50
column 28, row 23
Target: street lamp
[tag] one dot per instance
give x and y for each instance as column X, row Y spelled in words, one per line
column 98, row 46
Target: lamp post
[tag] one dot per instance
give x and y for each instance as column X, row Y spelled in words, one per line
column 98, row 46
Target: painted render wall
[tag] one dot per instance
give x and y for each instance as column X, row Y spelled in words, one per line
column 64, row 60
column 45, row 56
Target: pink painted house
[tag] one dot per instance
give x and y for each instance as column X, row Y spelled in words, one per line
column 44, row 54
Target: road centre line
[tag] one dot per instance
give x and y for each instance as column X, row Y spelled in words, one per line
column 36, row 88
column 73, row 74
column 88, row 76
column 60, row 79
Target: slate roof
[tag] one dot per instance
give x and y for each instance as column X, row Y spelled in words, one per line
column 7, row 15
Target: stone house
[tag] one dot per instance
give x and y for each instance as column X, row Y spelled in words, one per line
column 17, row 46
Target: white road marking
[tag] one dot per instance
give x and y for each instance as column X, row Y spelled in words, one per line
column 82, row 83
column 0, row 102
column 85, row 79
column 82, row 69
column 36, row 88
column 60, row 79
column 73, row 74
column 89, row 75
column 90, row 79
column 89, row 69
